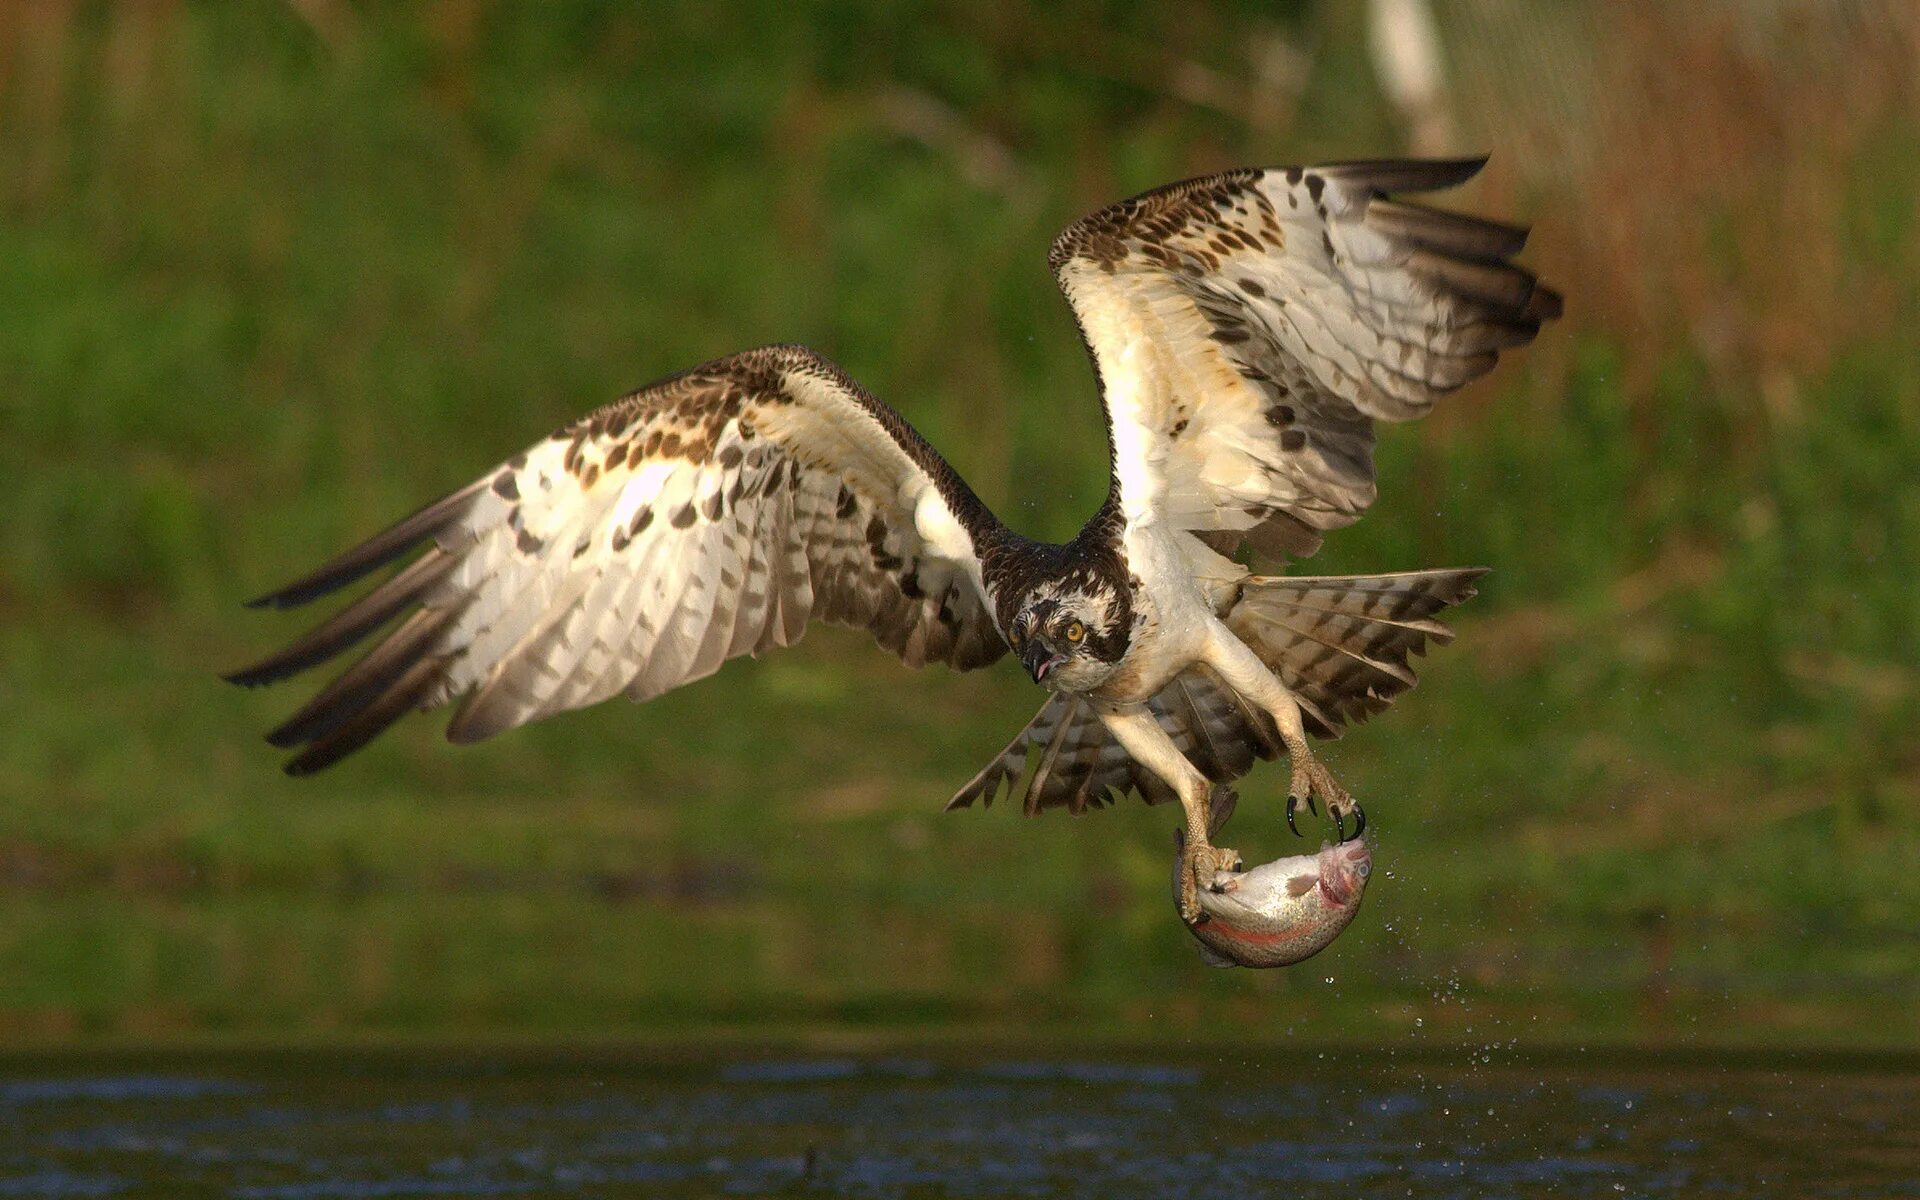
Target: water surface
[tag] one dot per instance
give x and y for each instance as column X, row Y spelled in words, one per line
column 312, row 1127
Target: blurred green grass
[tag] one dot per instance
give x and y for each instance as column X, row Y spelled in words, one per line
column 277, row 274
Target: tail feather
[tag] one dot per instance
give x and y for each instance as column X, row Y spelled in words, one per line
column 1342, row 644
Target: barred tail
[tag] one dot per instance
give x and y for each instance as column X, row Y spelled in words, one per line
column 1341, row 644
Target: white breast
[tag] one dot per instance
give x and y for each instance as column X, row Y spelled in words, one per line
column 1174, row 618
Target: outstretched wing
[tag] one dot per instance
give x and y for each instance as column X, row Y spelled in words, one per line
column 707, row 516
column 1249, row 327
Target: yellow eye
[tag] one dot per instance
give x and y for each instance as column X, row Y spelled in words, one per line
column 1075, row 632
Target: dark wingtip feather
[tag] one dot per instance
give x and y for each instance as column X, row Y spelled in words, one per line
column 374, row 553
column 1407, row 174
column 1506, row 290
column 1545, row 304
column 487, row 712
column 364, row 683
column 352, row 623
column 1465, row 255
column 1496, row 332
column 1463, row 583
column 369, row 722
column 1450, row 233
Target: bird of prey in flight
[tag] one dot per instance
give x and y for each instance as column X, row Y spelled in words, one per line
column 1247, row 330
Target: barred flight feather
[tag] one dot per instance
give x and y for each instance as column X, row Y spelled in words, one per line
column 1250, row 327
column 707, row 516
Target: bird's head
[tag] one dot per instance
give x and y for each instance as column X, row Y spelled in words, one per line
column 1070, row 635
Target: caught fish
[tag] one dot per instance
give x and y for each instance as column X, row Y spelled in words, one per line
column 1283, row 911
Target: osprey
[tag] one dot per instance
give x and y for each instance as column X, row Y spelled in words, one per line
column 1247, row 328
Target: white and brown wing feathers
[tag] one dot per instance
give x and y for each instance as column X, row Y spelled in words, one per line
column 1249, row 327
column 707, row 516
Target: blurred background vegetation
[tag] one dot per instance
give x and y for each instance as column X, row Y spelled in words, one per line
column 272, row 274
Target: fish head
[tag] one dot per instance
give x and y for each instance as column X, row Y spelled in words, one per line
column 1344, row 870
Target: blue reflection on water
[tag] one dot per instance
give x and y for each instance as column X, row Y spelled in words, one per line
column 120, row 1087
column 52, row 1181
column 915, row 1125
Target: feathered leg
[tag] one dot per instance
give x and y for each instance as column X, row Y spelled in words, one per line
column 1135, row 728
column 1241, row 669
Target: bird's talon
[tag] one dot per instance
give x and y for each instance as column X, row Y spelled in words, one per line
column 1313, row 806
column 1202, row 864
column 1290, row 824
column 1359, row 820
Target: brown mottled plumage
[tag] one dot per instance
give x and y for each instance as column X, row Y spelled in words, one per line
column 639, row 548
column 1248, row 329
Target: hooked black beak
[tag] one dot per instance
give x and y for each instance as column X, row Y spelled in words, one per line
column 1039, row 658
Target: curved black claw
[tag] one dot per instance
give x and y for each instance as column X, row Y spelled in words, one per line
column 1290, row 824
column 1339, row 826
column 1359, row 820
column 1313, row 806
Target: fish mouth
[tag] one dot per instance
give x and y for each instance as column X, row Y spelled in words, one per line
column 1344, row 870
